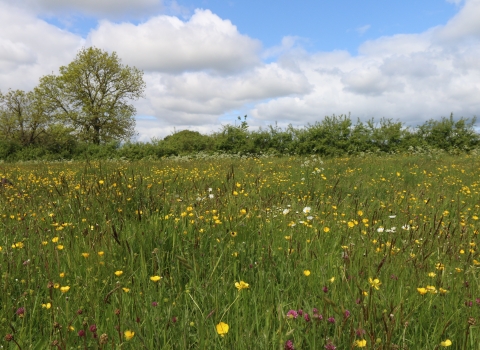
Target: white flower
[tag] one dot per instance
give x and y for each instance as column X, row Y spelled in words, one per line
column 307, row 210
column 406, row 227
column 380, row 229
column 310, row 218
column 286, row 211
column 211, row 196
column 392, row 216
column 210, row 190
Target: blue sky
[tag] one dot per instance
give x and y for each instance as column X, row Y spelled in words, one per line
column 284, row 61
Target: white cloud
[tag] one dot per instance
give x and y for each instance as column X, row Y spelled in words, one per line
column 30, row 48
column 168, row 44
column 363, row 29
column 109, row 8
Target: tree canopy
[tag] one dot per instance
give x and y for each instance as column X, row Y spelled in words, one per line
column 92, row 96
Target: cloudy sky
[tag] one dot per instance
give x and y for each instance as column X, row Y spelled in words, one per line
column 287, row 62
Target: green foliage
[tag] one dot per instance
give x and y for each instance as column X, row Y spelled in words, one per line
column 92, row 95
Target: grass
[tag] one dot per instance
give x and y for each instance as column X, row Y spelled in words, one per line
column 378, row 253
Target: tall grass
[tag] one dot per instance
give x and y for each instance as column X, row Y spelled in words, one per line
column 378, row 253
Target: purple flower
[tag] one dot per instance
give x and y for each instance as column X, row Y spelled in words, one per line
column 393, row 277
column 174, row 319
column 289, row 345
column 154, row 303
column 315, row 310
column 325, row 289
column 292, row 314
column 306, row 317
column 20, row 312
column 477, row 301
column 331, row 319
column 81, row 333
column 469, row 303
column 317, row 317
column 346, row 314
column 359, row 332
column 93, row 328
column 330, row 346
column 300, row 312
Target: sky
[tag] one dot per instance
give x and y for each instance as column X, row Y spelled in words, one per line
column 281, row 62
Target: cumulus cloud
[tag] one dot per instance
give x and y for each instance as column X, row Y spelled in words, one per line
column 31, row 48
column 168, row 44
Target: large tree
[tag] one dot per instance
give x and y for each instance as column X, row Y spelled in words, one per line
column 92, row 95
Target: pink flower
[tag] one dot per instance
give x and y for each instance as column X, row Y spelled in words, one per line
column 292, row 314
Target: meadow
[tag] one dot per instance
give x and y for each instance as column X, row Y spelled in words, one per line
column 241, row 253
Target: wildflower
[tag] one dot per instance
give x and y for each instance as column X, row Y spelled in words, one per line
column 155, row 278
column 443, row 291
column 432, row 274
column 361, row 343
column 331, row 320
column 375, row 283
column 331, row 279
column 326, row 229
column 431, row 289
column 81, row 333
column 118, row 273
column 65, row 289
column 222, row 329
column 242, row 285
column 359, row 213
column 62, row 274
column 307, row 210
column 422, row 290
column 93, row 328
column 346, row 314
column 306, row 273
column 325, row 289
column 46, row 306
column 59, row 247
column 85, row 255
column 55, row 239
column 439, row 266
column 233, row 234
column 129, row 334
column 126, row 290
column 286, row 211
column 100, row 253
column 292, row 314
column 380, row 229
column 446, row 342
column 154, row 303
column 20, row 312
column 289, row 345
column 306, row 317
column 330, row 346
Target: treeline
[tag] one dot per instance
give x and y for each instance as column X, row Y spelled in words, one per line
column 331, row 137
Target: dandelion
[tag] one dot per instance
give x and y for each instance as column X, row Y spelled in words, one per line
column 241, row 285
column 375, row 283
column 306, row 272
column 155, row 278
column 129, row 334
column 446, row 342
column 222, row 329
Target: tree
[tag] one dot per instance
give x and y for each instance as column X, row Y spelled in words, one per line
column 92, row 96
column 23, row 117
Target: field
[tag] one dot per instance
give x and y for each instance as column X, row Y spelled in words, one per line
column 241, row 253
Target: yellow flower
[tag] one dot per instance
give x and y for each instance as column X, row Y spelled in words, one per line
column 326, row 229
column 439, row 266
column 118, row 273
column 233, row 234
column 331, row 279
column 422, row 290
column 129, row 334
column 126, row 290
column 222, row 328
column 55, row 239
column 446, row 342
column 241, row 285
column 443, row 291
column 155, row 278
column 431, row 289
column 85, row 255
column 100, row 253
column 375, row 283
column 46, row 306
column 44, row 243
column 360, row 213
column 56, row 285
column 360, row 343
column 62, row 274
column 65, row 289
column 59, row 247
column 432, row 274
column 306, row 273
